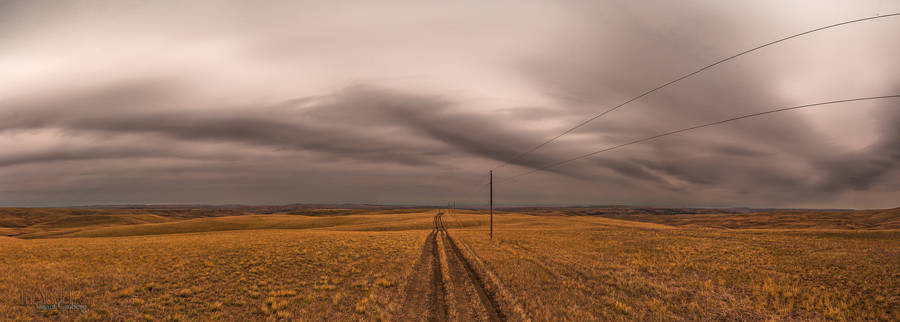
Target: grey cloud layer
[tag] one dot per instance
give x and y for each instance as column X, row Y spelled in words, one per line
column 360, row 122
column 364, row 133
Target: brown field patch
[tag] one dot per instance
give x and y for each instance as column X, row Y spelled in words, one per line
column 243, row 275
column 591, row 268
column 369, row 266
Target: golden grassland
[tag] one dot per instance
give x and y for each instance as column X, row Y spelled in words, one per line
column 865, row 219
column 46, row 223
column 230, row 275
column 351, row 265
column 590, row 268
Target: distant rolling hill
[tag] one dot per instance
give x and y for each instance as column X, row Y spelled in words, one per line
column 779, row 219
column 130, row 221
column 27, row 223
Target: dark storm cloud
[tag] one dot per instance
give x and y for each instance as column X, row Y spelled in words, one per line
column 738, row 151
column 781, row 154
column 62, row 154
column 630, row 169
column 359, row 122
column 130, row 109
column 869, row 167
column 413, row 102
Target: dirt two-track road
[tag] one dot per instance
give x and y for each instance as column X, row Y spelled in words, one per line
column 444, row 286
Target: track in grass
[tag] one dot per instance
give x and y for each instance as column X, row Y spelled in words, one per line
column 445, row 286
column 437, row 302
column 466, row 281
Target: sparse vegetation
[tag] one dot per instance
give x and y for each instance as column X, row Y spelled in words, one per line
column 591, row 268
column 242, row 275
column 355, row 266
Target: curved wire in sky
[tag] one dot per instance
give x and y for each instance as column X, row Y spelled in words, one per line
column 648, row 92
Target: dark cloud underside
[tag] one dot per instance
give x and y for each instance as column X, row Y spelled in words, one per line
column 407, row 102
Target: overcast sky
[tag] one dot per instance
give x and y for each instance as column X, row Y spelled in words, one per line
column 412, row 102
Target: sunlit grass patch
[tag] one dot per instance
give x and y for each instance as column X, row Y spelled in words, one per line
column 295, row 274
column 589, row 268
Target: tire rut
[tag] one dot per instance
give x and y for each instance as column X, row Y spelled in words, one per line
column 444, row 286
column 437, row 302
column 423, row 292
column 473, row 300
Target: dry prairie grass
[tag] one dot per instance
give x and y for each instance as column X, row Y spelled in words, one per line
column 590, row 268
column 379, row 222
column 231, row 275
column 340, row 265
column 878, row 219
column 65, row 222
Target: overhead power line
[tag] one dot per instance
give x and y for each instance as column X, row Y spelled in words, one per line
column 648, row 92
column 552, row 165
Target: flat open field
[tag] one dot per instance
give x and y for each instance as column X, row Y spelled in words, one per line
column 408, row 264
column 588, row 268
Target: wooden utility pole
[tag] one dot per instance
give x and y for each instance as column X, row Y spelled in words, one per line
column 492, row 203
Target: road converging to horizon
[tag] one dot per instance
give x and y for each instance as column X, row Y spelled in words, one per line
column 445, row 285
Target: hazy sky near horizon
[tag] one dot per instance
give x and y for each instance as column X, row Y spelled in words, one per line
column 412, row 102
